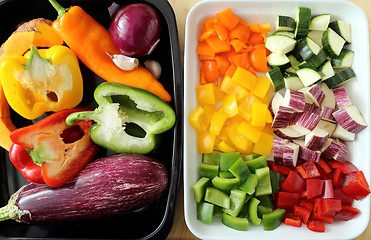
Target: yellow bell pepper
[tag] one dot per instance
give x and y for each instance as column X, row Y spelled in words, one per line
column 41, row 81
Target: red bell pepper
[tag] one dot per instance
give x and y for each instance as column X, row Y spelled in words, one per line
column 292, row 220
column 308, row 170
column 316, row 226
column 303, row 213
column 62, row 151
column 314, row 187
column 24, row 164
column 294, row 183
column 355, row 185
column 346, row 213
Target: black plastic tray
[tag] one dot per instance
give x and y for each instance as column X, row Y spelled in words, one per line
column 154, row 221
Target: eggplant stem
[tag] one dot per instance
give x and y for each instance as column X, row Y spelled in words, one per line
column 11, row 211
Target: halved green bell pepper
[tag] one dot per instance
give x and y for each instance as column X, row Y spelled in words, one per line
column 127, row 119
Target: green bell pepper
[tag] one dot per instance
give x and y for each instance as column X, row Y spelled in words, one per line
column 127, row 119
column 273, row 219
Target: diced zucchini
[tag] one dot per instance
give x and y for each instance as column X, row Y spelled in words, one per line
column 280, row 44
column 308, row 76
column 294, row 62
column 315, row 61
column 345, row 59
column 316, row 36
column 285, row 23
column 343, row 29
column 293, row 82
column 332, row 43
column 326, row 70
column 276, row 77
column 285, row 33
column 320, row 22
column 307, row 48
column 340, row 78
column 303, row 18
column 278, row 60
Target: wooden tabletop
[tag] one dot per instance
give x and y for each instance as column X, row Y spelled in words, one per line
column 181, row 9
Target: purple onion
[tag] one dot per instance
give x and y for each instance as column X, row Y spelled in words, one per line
column 135, row 29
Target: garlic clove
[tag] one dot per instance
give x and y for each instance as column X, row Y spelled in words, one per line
column 153, row 67
column 124, row 62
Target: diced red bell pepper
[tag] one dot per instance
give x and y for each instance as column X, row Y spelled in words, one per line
column 328, row 190
column 294, row 183
column 346, row 213
column 322, row 163
column 337, row 178
column 345, row 199
column 292, row 220
column 287, row 199
column 316, row 226
column 329, row 206
column 61, row 150
column 285, row 170
column 302, row 212
column 356, row 186
column 314, row 187
column 348, row 167
column 308, row 170
column 308, row 204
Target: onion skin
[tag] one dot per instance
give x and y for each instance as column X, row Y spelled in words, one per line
column 106, row 187
column 135, row 29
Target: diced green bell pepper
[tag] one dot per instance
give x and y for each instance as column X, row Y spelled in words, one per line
column 249, row 185
column 264, row 182
column 236, row 223
column 205, row 212
column 127, row 119
column 212, row 158
column 273, row 220
column 251, row 156
column 227, row 159
column 256, row 163
column 275, row 181
column 226, row 174
column 225, row 183
column 217, row 197
column 209, row 171
column 266, row 201
column 240, row 170
column 252, row 211
column 199, row 189
column 263, row 210
column 238, row 199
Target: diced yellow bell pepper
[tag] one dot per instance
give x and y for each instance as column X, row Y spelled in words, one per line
column 261, row 87
column 209, row 111
column 264, row 145
column 238, row 140
column 244, row 78
column 208, row 94
column 250, row 132
column 224, row 147
column 195, row 118
column 259, row 113
column 230, row 87
column 229, row 105
column 269, row 117
column 217, row 122
column 205, row 142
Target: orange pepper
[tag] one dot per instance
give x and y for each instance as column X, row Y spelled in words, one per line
column 238, row 45
column 217, row 45
column 223, row 64
column 210, row 71
column 231, row 70
column 240, row 32
column 242, row 60
column 206, row 34
column 203, row 49
column 258, row 59
column 221, row 31
column 91, row 42
column 255, row 38
column 228, row 18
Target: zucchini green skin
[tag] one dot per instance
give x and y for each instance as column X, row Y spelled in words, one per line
column 106, row 187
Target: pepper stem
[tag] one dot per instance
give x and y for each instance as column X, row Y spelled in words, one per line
column 58, row 7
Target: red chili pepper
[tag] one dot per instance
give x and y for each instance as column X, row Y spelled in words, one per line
column 24, row 164
column 61, row 150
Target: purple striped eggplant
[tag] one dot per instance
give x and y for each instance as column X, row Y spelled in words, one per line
column 106, row 187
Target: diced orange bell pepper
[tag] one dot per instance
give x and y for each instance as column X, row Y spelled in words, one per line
column 203, row 49
column 218, row 45
column 221, row 31
column 223, row 64
column 242, row 60
column 228, row 18
column 240, row 32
